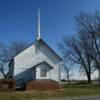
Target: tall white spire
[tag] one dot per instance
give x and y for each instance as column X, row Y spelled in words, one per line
column 38, row 26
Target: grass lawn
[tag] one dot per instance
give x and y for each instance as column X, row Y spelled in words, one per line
column 67, row 91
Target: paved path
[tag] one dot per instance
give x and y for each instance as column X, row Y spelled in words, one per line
column 79, row 98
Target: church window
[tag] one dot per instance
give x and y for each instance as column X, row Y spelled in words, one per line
column 43, row 72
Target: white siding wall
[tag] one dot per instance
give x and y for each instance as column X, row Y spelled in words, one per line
column 55, row 73
column 49, row 55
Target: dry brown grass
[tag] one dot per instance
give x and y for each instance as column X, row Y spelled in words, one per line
column 68, row 91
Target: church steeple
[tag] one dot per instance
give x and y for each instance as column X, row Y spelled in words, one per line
column 38, row 26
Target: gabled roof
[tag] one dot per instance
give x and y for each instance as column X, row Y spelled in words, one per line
column 43, row 62
column 41, row 41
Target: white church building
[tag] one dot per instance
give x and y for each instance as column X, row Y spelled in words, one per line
column 38, row 61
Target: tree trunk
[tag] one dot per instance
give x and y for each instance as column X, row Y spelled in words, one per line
column 89, row 78
column 99, row 77
column 68, row 80
column 68, row 77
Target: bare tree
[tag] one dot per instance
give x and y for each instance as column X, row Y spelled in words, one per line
column 77, row 51
column 3, row 60
column 16, row 47
column 7, row 53
column 90, row 24
column 67, row 67
column 68, row 70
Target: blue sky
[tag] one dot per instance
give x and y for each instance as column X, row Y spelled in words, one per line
column 18, row 18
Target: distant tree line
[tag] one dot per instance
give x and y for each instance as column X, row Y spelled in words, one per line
column 8, row 52
column 83, row 48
